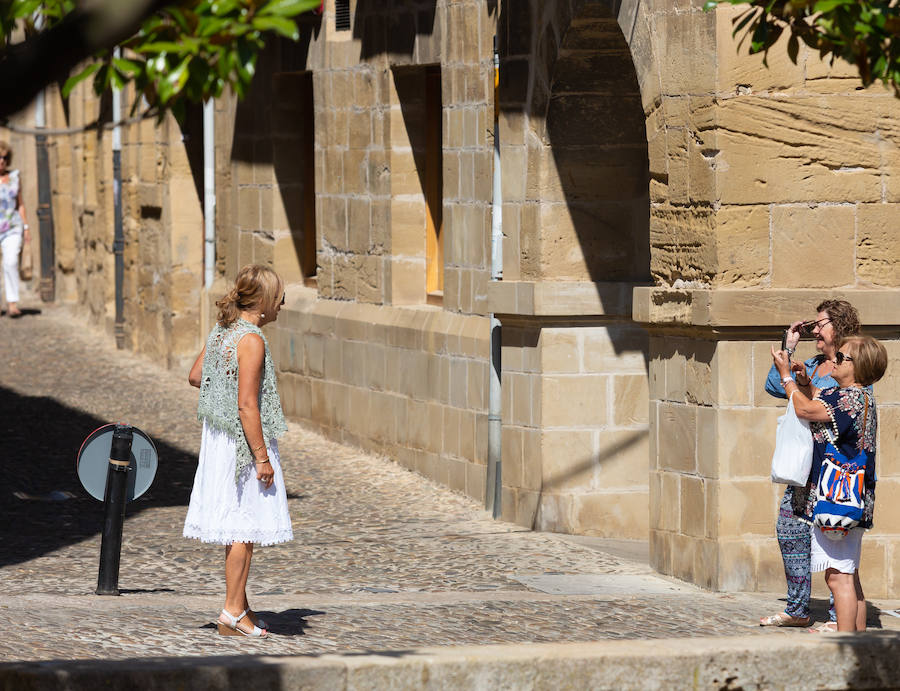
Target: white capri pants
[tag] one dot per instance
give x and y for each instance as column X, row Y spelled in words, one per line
column 10, row 246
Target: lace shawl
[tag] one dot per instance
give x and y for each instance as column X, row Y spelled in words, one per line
column 218, row 405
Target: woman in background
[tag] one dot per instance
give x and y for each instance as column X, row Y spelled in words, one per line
column 13, row 228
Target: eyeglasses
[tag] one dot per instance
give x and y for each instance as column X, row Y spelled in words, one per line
column 813, row 323
column 6, row 157
column 282, row 298
column 839, row 357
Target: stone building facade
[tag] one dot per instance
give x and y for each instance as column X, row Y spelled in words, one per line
column 669, row 204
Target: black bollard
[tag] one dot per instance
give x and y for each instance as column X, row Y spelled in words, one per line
column 114, row 500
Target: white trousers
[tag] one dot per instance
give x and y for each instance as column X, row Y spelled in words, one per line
column 10, row 246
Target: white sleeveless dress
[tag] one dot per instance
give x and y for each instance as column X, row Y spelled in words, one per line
column 222, row 511
column 227, row 504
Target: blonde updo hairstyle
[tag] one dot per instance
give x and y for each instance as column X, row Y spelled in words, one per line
column 255, row 288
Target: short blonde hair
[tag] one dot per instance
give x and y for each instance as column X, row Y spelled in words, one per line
column 255, row 287
column 870, row 358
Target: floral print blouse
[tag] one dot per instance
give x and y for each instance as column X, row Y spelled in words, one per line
column 10, row 221
column 852, row 427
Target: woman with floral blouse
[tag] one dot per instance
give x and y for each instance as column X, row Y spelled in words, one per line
column 846, row 417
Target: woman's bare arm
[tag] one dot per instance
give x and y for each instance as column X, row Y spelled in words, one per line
column 251, row 354
column 804, row 405
column 196, row 373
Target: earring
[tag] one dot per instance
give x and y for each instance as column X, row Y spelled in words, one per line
column 262, row 315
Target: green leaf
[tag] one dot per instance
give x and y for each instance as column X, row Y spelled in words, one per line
column 179, row 17
column 279, row 25
column 826, row 6
column 291, row 8
column 161, row 47
column 127, row 66
column 220, row 8
column 179, row 76
column 75, row 79
column 210, row 26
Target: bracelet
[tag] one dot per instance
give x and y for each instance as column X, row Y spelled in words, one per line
column 261, row 460
column 787, row 380
column 789, row 351
column 257, row 448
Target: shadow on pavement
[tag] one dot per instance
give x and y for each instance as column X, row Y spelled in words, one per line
column 42, row 504
column 25, row 312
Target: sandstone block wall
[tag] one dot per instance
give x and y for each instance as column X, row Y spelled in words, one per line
column 162, row 221
column 407, row 383
column 575, row 433
column 362, row 355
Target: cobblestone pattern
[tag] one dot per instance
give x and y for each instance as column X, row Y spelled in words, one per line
column 382, row 558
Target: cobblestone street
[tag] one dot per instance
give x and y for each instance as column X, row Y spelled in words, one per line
column 382, row 558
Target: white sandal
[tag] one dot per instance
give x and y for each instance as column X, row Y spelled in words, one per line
column 230, row 628
column 261, row 623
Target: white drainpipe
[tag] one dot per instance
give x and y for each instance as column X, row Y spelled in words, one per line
column 209, row 192
column 495, row 422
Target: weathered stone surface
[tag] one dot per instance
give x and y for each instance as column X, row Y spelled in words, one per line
column 878, row 244
column 742, row 245
column 824, row 231
column 801, row 149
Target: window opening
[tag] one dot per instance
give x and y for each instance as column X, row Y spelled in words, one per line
column 342, row 15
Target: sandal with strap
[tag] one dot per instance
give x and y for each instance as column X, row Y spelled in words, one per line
column 261, row 623
column 825, row 627
column 783, row 619
column 230, row 628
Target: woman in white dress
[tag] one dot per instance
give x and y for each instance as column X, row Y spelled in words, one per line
column 239, row 498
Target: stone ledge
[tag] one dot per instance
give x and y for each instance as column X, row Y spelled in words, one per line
column 850, row 661
column 726, row 307
column 560, row 298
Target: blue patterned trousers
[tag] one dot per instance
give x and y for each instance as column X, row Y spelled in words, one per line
column 794, row 541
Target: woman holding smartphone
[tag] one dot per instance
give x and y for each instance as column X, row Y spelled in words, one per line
column 835, row 320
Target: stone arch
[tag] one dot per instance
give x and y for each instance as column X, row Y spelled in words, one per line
column 575, row 98
column 589, row 178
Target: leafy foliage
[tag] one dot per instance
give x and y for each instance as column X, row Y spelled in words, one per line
column 863, row 32
column 186, row 52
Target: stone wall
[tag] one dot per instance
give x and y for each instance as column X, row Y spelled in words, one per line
column 366, row 354
column 162, row 222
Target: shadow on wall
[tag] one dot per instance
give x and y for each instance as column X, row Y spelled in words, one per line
column 47, row 435
column 580, row 92
column 273, row 128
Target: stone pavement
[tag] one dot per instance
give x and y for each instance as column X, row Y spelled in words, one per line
column 382, row 559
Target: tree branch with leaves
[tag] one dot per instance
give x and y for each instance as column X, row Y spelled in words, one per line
column 174, row 53
column 864, row 33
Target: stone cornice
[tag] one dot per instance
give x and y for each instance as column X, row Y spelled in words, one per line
column 560, row 298
column 749, row 307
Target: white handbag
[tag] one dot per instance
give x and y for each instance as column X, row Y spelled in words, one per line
column 792, row 459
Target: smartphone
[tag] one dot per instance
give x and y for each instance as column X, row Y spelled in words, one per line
column 784, row 339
